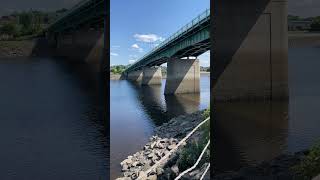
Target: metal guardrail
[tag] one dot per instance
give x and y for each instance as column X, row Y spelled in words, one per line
column 70, row 11
column 177, row 34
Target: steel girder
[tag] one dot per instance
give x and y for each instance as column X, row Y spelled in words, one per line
column 192, row 42
column 86, row 13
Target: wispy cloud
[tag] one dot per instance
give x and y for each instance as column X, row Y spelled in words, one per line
column 114, row 54
column 131, row 61
column 148, row 38
column 137, row 47
column 115, row 47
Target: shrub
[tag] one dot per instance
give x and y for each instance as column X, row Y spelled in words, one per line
column 191, row 153
column 309, row 167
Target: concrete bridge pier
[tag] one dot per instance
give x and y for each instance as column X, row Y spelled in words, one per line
column 135, row 76
column 183, row 76
column 250, row 59
column 151, row 76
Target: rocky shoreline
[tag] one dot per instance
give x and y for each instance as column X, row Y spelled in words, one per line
column 166, row 138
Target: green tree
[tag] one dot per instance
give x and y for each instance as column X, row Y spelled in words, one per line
column 11, row 29
column 315, row 25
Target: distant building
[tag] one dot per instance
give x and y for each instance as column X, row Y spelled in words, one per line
column 299, row 25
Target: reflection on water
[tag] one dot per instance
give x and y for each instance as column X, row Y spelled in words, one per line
column 249, row 133
column 136, row 110
column 51, row 121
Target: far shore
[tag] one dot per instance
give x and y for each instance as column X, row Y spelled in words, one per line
column 118, row 76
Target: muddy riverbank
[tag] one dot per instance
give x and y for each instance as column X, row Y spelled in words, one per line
column 24, row 48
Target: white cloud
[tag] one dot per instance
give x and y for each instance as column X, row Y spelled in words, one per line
column 114, row 54
column 131, row 61
column 136, row 47
column 148, row 38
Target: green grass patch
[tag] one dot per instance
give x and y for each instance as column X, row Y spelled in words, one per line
column 309, row 167
column 192, row 150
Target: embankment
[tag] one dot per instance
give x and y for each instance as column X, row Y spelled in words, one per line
column 166, row 138
column 24, row 48
column 303, row 39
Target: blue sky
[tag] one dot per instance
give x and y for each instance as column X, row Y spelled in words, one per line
column 136, row 26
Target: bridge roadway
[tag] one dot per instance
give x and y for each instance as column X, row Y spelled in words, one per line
column 183, row 75
column 191, row 40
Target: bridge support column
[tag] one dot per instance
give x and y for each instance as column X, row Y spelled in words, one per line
column 183, row 76
column 135, row 76
column 250, row 59
column 151, row 76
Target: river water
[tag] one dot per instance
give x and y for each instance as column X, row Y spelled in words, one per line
column 254, row 132
column 136, row 110
column 51, row 121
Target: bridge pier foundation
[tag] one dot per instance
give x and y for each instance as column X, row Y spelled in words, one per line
column 183, row 76
column 151, row 76
column 135, row 76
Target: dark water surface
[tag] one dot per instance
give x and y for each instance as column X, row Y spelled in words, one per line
column 254, row 132
column 51, row 125
column 136, row 110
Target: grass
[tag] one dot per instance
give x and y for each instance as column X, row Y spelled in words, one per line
column 192, row 150
column 309, row 167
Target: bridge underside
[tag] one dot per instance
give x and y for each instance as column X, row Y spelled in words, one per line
column 183, row 76
column 80, row 34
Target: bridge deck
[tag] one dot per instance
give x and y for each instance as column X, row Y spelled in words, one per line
column 191, row 40
column 86, row 12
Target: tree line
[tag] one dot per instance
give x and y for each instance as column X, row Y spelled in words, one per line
column 315, row 21
column 27, row 22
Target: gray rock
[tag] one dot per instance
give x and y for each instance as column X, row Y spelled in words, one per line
column 175, row 170
column 159, row 170
column 125, row 167
column 152, row 177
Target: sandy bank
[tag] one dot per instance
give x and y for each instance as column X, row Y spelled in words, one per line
column 303, row 40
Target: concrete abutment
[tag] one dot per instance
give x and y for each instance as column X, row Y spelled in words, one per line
column 257, row 67
column 135, row 76
column 183, row 76
column 151, row 76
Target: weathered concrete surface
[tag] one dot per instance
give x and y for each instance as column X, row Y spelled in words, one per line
column 135, row 76
column 183, row 76
column 151, row 76
column 256, row 67
column 81, row 45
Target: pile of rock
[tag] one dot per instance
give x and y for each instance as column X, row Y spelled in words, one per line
column 179, row 127
column 134, row 165
column 167, row 137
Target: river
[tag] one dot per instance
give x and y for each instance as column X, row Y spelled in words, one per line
column 52, row 123
column 136, row 110
column 254, row 132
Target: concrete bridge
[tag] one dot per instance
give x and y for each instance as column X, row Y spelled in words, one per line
column 182, row 74
column 249, row 56
column 79, row 34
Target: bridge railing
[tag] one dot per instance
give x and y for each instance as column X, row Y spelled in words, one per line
column 185, row 28
column 70, row 11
